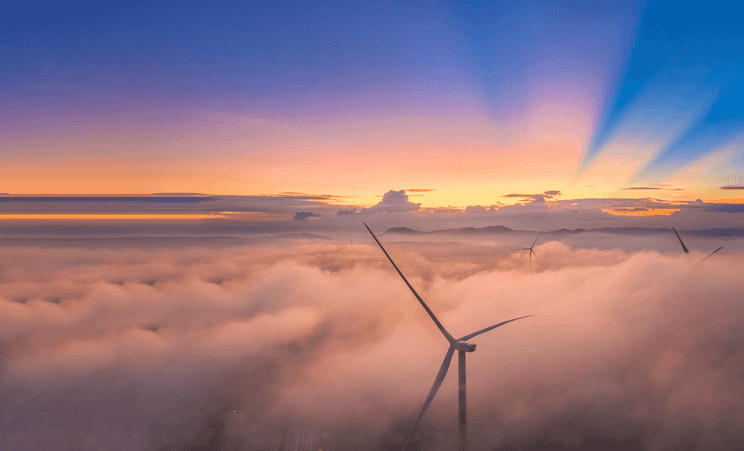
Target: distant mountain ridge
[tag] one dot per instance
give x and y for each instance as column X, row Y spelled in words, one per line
column 461, row 231
column 491, row 230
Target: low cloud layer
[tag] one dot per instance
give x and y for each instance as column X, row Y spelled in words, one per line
column 289, row 212
column 138, row 349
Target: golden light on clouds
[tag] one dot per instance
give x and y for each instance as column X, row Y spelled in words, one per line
column 640, row 211
column 108, row 216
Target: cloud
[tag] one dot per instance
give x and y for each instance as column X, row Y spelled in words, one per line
column 625, row 347
column 641, row 188
column 419, row 190
column 304, row 215
column 285, row 203
column 394, row 202
column 306, row 196
column 537, row 198
column 728, row 208
column 475, row 209
column 233, row 215
column 733, row 187
column 520, row 195
column 631, row 209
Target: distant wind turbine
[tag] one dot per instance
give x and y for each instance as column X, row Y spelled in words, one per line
column 531, row 251
column 459, row 345
column 687, row 252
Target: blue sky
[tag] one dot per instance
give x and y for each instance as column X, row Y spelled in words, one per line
column 682, row 84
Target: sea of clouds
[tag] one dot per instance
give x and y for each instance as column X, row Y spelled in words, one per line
column 136, row 349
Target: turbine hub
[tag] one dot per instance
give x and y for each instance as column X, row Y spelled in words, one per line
column 466, row 347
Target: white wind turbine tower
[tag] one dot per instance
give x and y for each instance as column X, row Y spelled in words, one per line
column 531, row 251
column 459, row 345
column 687, row 252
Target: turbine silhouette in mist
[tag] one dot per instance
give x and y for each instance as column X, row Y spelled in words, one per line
column 531, row 251
column 687, row 252
column 459, row 345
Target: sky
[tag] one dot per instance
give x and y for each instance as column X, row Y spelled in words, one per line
column 465, row 101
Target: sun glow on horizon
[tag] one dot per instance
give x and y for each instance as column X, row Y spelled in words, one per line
column 107, row 216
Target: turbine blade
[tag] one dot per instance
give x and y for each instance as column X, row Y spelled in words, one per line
column 708, row 256
column 538, row 258
column 434, row 388
column 475, row 334
column 538, row 237
column 446, row 334
column 684, row 248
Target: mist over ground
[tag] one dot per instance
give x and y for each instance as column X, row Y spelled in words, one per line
column 134, row 347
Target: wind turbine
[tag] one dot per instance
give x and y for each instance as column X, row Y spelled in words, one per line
column 684, row 248
column 455, row 344
column 531, row 251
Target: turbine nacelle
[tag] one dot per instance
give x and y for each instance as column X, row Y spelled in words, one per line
column 530, row 249
column 462, row 346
